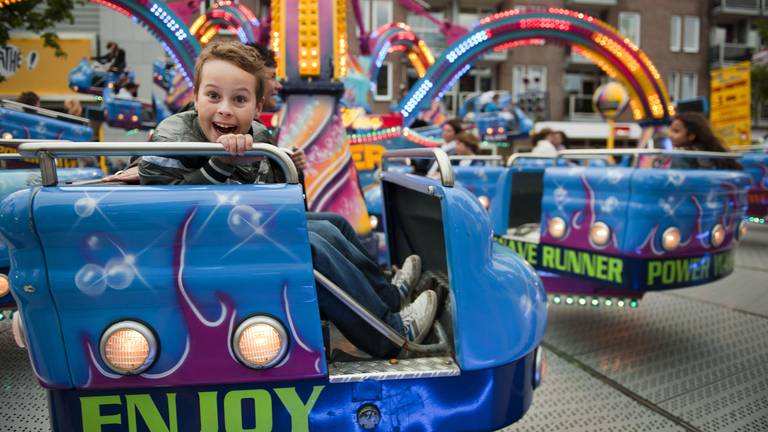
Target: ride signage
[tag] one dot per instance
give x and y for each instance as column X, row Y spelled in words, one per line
column 730, row 98
column 633, row 273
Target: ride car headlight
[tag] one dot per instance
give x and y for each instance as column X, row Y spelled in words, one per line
column 374, row 220
column 7, row 135
column 600, row 233
column 717, row 237
column 134, row 118
column 5, row 286
column 260, row 342
column 741, row 230
column 557, row 227
column 120, row 116
column 670, row 239
column 128, row 347
column 484, row 201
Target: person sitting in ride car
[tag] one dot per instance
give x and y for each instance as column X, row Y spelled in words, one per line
column 229, row 87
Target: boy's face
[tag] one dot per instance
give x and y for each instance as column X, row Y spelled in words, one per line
column 225, row 101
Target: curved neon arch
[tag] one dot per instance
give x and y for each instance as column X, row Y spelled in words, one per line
column 396, row 37
column 598, row 41
column 165, row 26
column 226, row 15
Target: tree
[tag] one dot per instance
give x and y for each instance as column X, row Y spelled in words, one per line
column 27, row 15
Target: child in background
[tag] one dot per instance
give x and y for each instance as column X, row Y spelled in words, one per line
column 691, row 131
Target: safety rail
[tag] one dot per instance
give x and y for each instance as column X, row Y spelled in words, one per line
column 635, row 153
column 443, row 162
column 514, row 157
column 747, row 148
column 49, row 150
column 20, row 107
column 490, row 159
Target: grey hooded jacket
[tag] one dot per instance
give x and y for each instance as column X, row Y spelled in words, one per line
column 184, row 127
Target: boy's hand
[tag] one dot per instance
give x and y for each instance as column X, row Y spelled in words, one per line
column 299, row 158
column 236, row 144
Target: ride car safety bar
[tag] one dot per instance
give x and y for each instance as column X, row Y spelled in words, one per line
column 513, row 158
column 49, row 150
column 747, row 148
column 443, row 163
column 20, row 107
column 379, row 325
column 603, row 153
column 484, row 158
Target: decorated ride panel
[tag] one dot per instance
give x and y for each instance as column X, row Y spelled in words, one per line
column 189, row 262
column 641, row 208
column 27, row 125
column 756, row 165
column 413, row 401
column 16, row 179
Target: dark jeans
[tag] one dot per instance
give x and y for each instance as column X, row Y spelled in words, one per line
column 330, row 262
column 344, row 227
column 354, row 255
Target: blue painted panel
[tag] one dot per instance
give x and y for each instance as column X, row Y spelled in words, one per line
column 483, row 400
column 490, row 284
column 23, row 125
column 189, row 261
column 28, row 269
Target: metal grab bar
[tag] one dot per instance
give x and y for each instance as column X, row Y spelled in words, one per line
column 47, row 151
column 10, row 156
column 24, row 108
column 575, row 154
column 379, row 325
column 443, row 163
column 514, row 157
column 486, row 158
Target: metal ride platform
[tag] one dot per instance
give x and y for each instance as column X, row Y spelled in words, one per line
column 694, row 359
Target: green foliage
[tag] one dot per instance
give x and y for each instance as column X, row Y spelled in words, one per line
column 759, row 74
column 36, row 16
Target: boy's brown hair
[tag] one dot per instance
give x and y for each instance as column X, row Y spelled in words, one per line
column 238, row 54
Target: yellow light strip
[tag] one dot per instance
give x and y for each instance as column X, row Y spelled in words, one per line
column 340, row 39
column 277, row 38
column 309, row 38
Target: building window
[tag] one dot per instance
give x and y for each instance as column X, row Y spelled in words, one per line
column 376, row 13
column 529, row 78
column 688, row 86
column 384, row 83
column 629, row 26
column 675, row 33
column 683, row 85
column 691, row 34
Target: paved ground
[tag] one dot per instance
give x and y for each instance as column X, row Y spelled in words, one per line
column 694, row 359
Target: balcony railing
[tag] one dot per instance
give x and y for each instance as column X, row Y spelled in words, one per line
column 738, row 7
column 726, row 54
column 579, row 108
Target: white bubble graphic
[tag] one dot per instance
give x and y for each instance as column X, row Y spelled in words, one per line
column 560, row 195
column 614, row 176
column 609, row 204
column 85, row 206
column 90, row 280
column 244, row 220
column 119, row 273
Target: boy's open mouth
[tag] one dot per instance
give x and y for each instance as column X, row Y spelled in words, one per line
column 224, row 129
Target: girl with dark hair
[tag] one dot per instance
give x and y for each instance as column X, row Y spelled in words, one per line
column 691, row 131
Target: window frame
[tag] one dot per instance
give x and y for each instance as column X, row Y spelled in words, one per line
column 675, row 45
column 697, row 34
column 639, row 25
column 377, row 97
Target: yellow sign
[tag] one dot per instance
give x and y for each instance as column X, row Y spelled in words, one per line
column 27, row 65
column 730, row 104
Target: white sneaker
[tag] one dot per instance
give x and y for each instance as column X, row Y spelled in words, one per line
column 418, row 316
column 407, row 277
